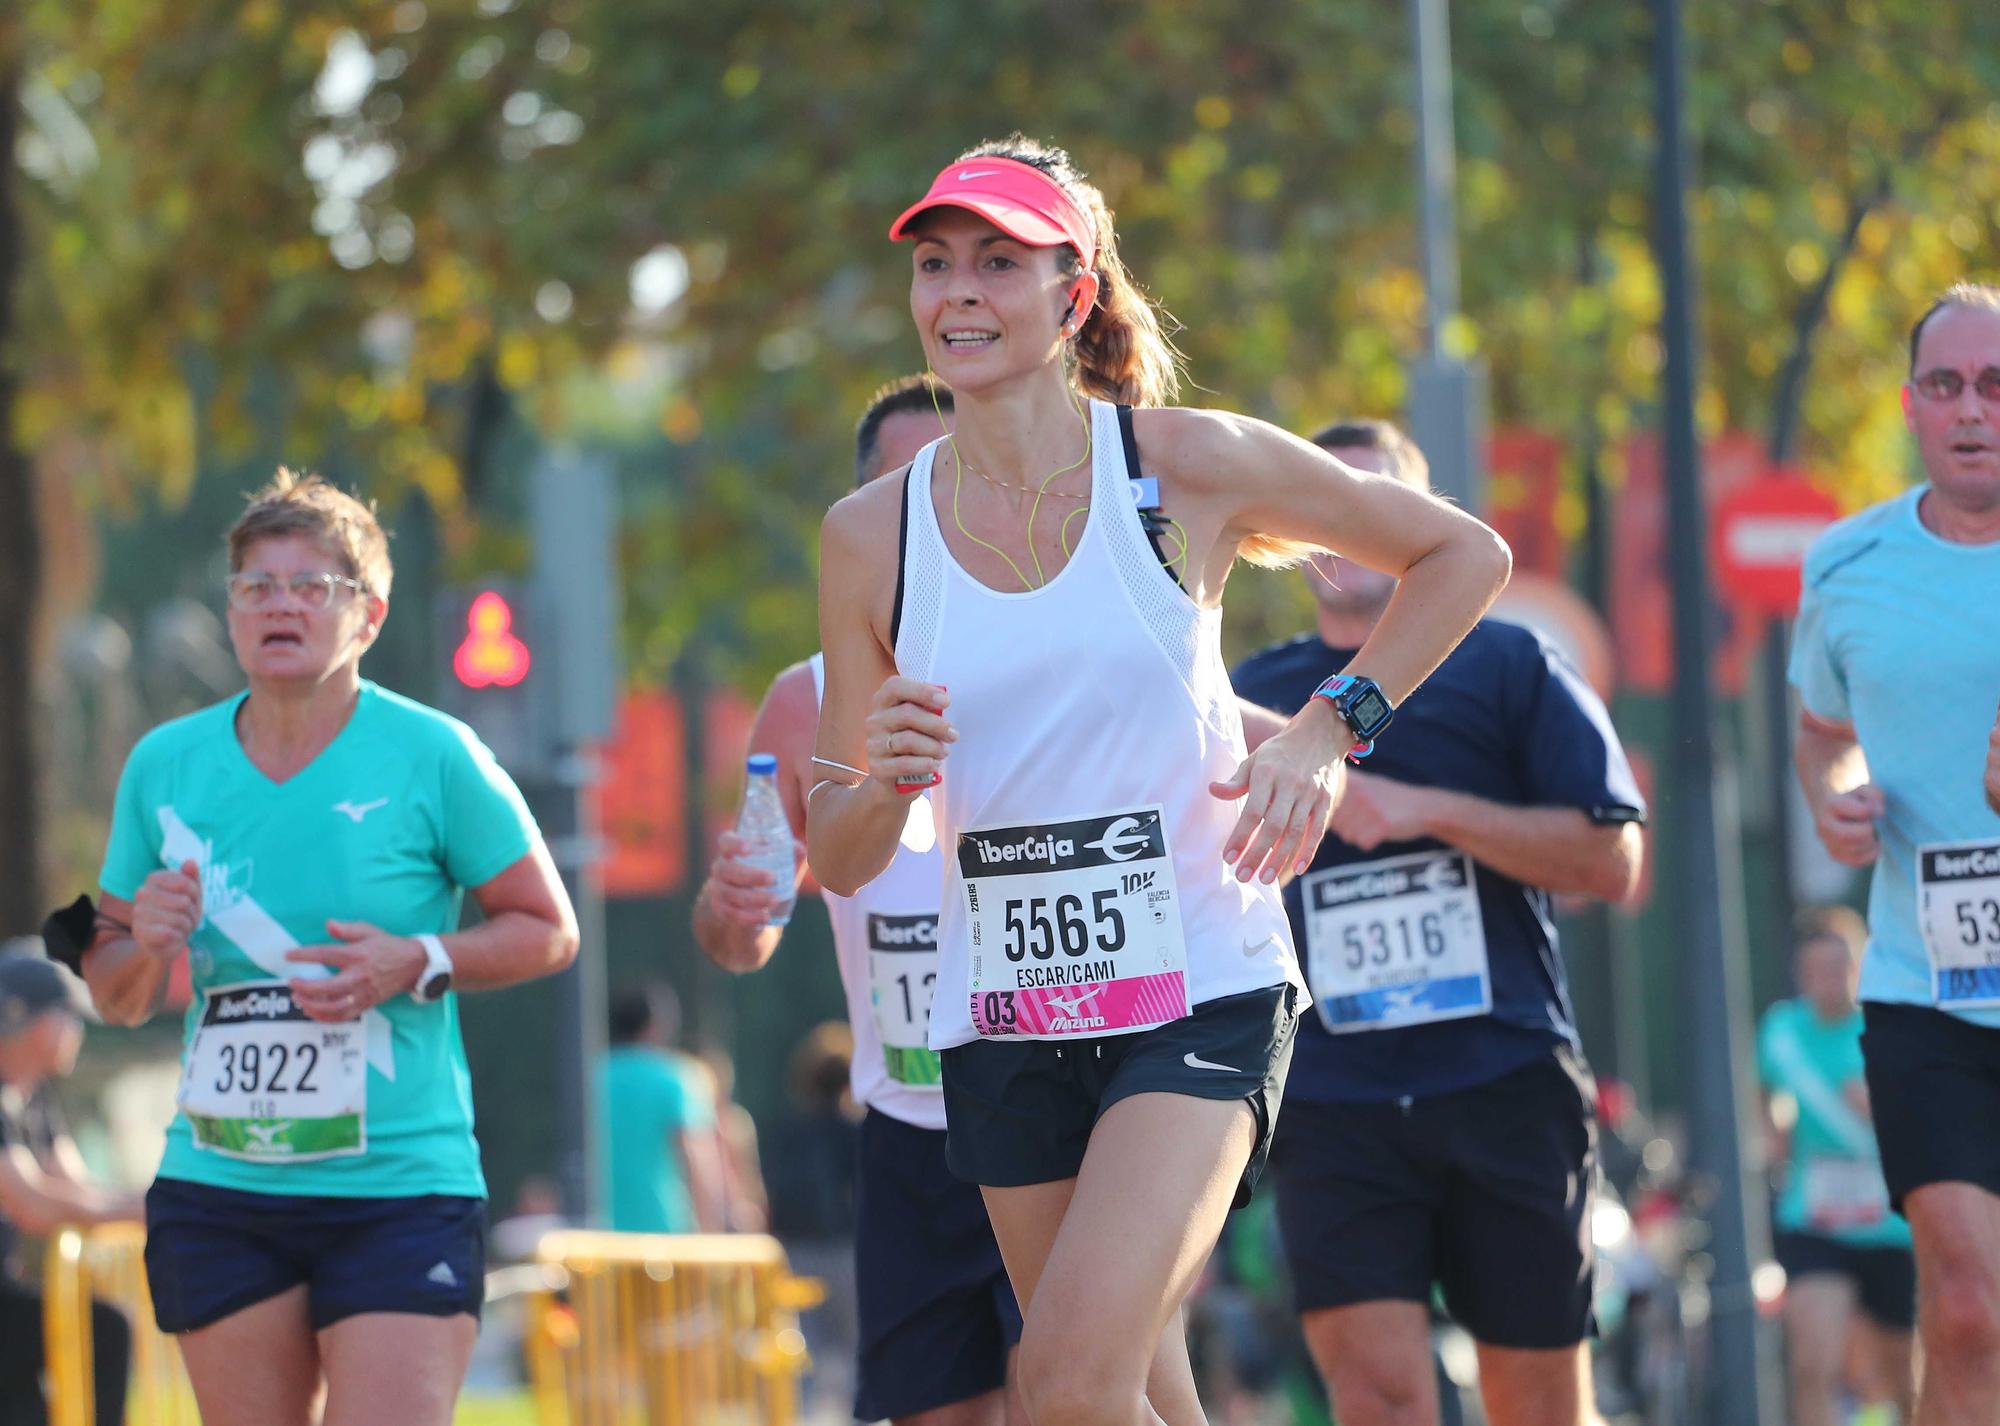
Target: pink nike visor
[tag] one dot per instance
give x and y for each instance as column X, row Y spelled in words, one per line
column 1017, row 198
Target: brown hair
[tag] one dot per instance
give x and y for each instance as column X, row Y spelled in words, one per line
column 309, row 505
column 1960, row 294
column 1831, row 923
column 916, row 394
column 1122, row 352
column 1405, row 461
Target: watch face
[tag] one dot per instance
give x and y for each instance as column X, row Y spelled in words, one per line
column 436, row 987
column 1371, row 709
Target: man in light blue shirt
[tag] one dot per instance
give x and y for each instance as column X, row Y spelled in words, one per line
column 1896, row 659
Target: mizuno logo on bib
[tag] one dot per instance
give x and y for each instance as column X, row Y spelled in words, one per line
column 265, row 1083
column 1958, row 910
column 1396, row 942
column 1075, row 927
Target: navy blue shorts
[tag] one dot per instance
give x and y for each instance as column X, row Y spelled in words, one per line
column 213, row 1251
column 937, row 1312
column 1485, row 1190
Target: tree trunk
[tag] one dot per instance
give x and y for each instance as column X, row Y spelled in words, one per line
column 20, row 572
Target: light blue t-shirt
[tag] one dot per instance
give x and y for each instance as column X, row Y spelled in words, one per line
column 1899, row 635
column 1833, row 1184
column 646, row 1099
column 401, row 812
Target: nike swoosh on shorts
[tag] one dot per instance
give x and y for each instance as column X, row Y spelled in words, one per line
column 1195, row 1061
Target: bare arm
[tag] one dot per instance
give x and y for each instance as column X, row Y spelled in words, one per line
column 529, row 931
column 852, row 831
column 1993, row 767
column 1560, row 849
column 1259, row 723
column 128, row 965
column 1833, row 773
column 731, row 912
column 700, row 1154
column 40, row 1198
column 1238, row 479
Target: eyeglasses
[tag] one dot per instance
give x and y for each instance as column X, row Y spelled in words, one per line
column 259, row 589
column 1944, row 384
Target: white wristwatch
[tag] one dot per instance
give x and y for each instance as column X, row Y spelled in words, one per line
column 434, row 983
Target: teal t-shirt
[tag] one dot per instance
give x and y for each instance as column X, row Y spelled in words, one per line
column 1895, row 636
column 1833, row 1184
column 646, row 1098
column 401, row 812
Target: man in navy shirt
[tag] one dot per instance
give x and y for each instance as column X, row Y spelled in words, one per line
column 1439, row 1123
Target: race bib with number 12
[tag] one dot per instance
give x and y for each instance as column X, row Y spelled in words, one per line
column 1075, row 927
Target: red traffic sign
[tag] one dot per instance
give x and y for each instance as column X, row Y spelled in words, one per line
column 1762, row 531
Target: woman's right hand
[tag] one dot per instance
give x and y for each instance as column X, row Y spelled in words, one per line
column 908, row 736
column 166, row 910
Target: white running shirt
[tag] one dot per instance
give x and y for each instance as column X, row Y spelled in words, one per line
column 1083, row 709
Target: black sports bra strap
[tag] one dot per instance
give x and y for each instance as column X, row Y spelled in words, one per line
column 1152, row 527
column 902, row 559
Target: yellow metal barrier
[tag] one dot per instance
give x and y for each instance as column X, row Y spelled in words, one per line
column 107, row 1264
column 656, row 1330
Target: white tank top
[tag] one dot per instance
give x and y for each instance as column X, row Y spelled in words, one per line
column 885, row 938
column 1092, row 714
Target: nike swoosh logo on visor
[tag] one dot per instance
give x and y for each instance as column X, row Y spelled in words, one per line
column 966, row 175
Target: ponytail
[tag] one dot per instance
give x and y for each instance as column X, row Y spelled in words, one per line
column 1121, row 353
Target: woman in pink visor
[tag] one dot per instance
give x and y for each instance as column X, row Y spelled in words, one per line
column 1116, row 986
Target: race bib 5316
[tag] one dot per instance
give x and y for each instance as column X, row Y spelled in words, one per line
column 1396, row 942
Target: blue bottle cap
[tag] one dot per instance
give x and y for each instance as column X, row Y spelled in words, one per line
column 763, row 762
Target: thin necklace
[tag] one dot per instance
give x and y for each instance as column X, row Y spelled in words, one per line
column 1023, row 489
column 958, row 480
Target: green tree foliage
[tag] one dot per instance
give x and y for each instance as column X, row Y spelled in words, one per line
column 405, row 216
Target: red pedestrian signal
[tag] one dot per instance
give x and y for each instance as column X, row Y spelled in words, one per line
column 491, row 656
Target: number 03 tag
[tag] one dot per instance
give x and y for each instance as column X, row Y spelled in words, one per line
column 265, row 1083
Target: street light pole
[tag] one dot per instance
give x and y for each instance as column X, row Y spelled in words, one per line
column 1447, row 392
column 1741, row 1390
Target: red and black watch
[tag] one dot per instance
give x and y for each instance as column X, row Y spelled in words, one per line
column 1362, row 706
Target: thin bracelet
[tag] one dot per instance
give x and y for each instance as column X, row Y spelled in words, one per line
column 828, row 782
column 861, row 773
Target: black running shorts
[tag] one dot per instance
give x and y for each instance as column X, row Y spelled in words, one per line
column 1485, row 1191
column 1021, row 1111
column 1934, row 1090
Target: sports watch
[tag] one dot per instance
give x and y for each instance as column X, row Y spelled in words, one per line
column 1361, row 705
column 434, row 982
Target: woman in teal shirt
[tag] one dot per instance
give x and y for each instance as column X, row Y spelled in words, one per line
column 1848, row 1266
column 319, row 1210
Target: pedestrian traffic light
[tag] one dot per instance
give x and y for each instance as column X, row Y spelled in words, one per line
column 490, row 654
column 488, row 673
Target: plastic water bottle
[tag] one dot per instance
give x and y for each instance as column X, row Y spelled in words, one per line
column 764, row 826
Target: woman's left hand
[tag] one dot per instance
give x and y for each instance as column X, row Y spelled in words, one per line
column 1289, row 787
column 370, row 966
